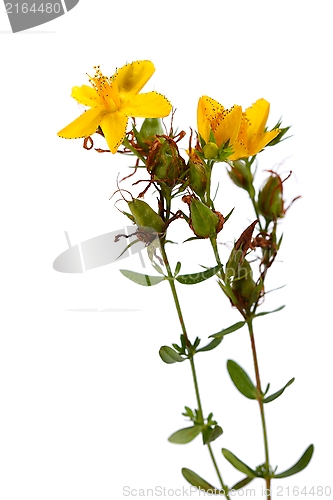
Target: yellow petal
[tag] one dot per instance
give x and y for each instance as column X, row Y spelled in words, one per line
column 257, row 115
column 87, row 96
column 84, row 125
column 149, row 105
column 132, row 77
column 240, row 151
column 114, row 129
column 262, row 141
column 207, row 112
column 228, row 126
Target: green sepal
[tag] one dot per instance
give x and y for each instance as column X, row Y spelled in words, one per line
column 193, row 279
column 169, row 355
column 242, row 483
column 269, row 312
column 241, row 380
column 278, row 393
column 299, row 466
column 130, row 216
column 280, row 137
column 142, row 279
column 197, row 481
column 229, row 214
column 214, row 343
column 238, row 464
column 212, row 433
column 186, row 435
column 230, row 329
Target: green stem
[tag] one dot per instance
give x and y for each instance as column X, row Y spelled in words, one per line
column 261, row 407
column 209, row 167
column 188, row 343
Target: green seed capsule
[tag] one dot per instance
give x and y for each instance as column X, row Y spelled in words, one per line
column 164, row 161
column 270, row 199
column 198, row 176
column 204, row 221
column 244, row 286
column 145, row 216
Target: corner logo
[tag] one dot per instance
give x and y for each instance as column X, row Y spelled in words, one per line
column 25, row 15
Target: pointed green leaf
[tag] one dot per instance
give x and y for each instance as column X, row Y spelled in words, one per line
column 142, row 279
column 278, row 393
column 197, row 481
column 214, row 343
column 300, row 465
column 169, row 355
column 242, row 483
column 212, row 434
column 238, row 464
column 241, row 380
column 230, row 329
column 193, row 279
column 269, row 312
column 185, row 435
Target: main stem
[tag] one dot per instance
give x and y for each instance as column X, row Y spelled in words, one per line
column 261, row 406
column 194, row 374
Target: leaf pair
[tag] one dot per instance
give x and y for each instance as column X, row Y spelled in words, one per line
column 185, row 279
column 245, row 385
column 252, row 474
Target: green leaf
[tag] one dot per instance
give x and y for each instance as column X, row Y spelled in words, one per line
column 300, row 465
column 169, row 355
column 197, row 481
column 142, row 279
column 214, row 343
column 185, row 435
column 278, row 393
column 238, row 464
column 212, row 433
column 269, row 312
column 178, row 266
column 193, row 279
column 230, row 329
column 241, row 380
column 242, row 483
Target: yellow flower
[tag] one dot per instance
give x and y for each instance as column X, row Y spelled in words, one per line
column 252, row 133
column 113, row 100
column 223, row 123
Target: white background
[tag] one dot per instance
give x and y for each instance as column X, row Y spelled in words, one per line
column 86, row 403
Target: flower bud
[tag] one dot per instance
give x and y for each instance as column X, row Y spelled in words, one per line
column 164, row 161
column 198, row 175
column 210, row 150
column 204, row 222
column 241, row 175
column 145, row 216
column 270, row 199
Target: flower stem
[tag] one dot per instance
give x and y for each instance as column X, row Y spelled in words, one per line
column 261, row 407
column 188, row 343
